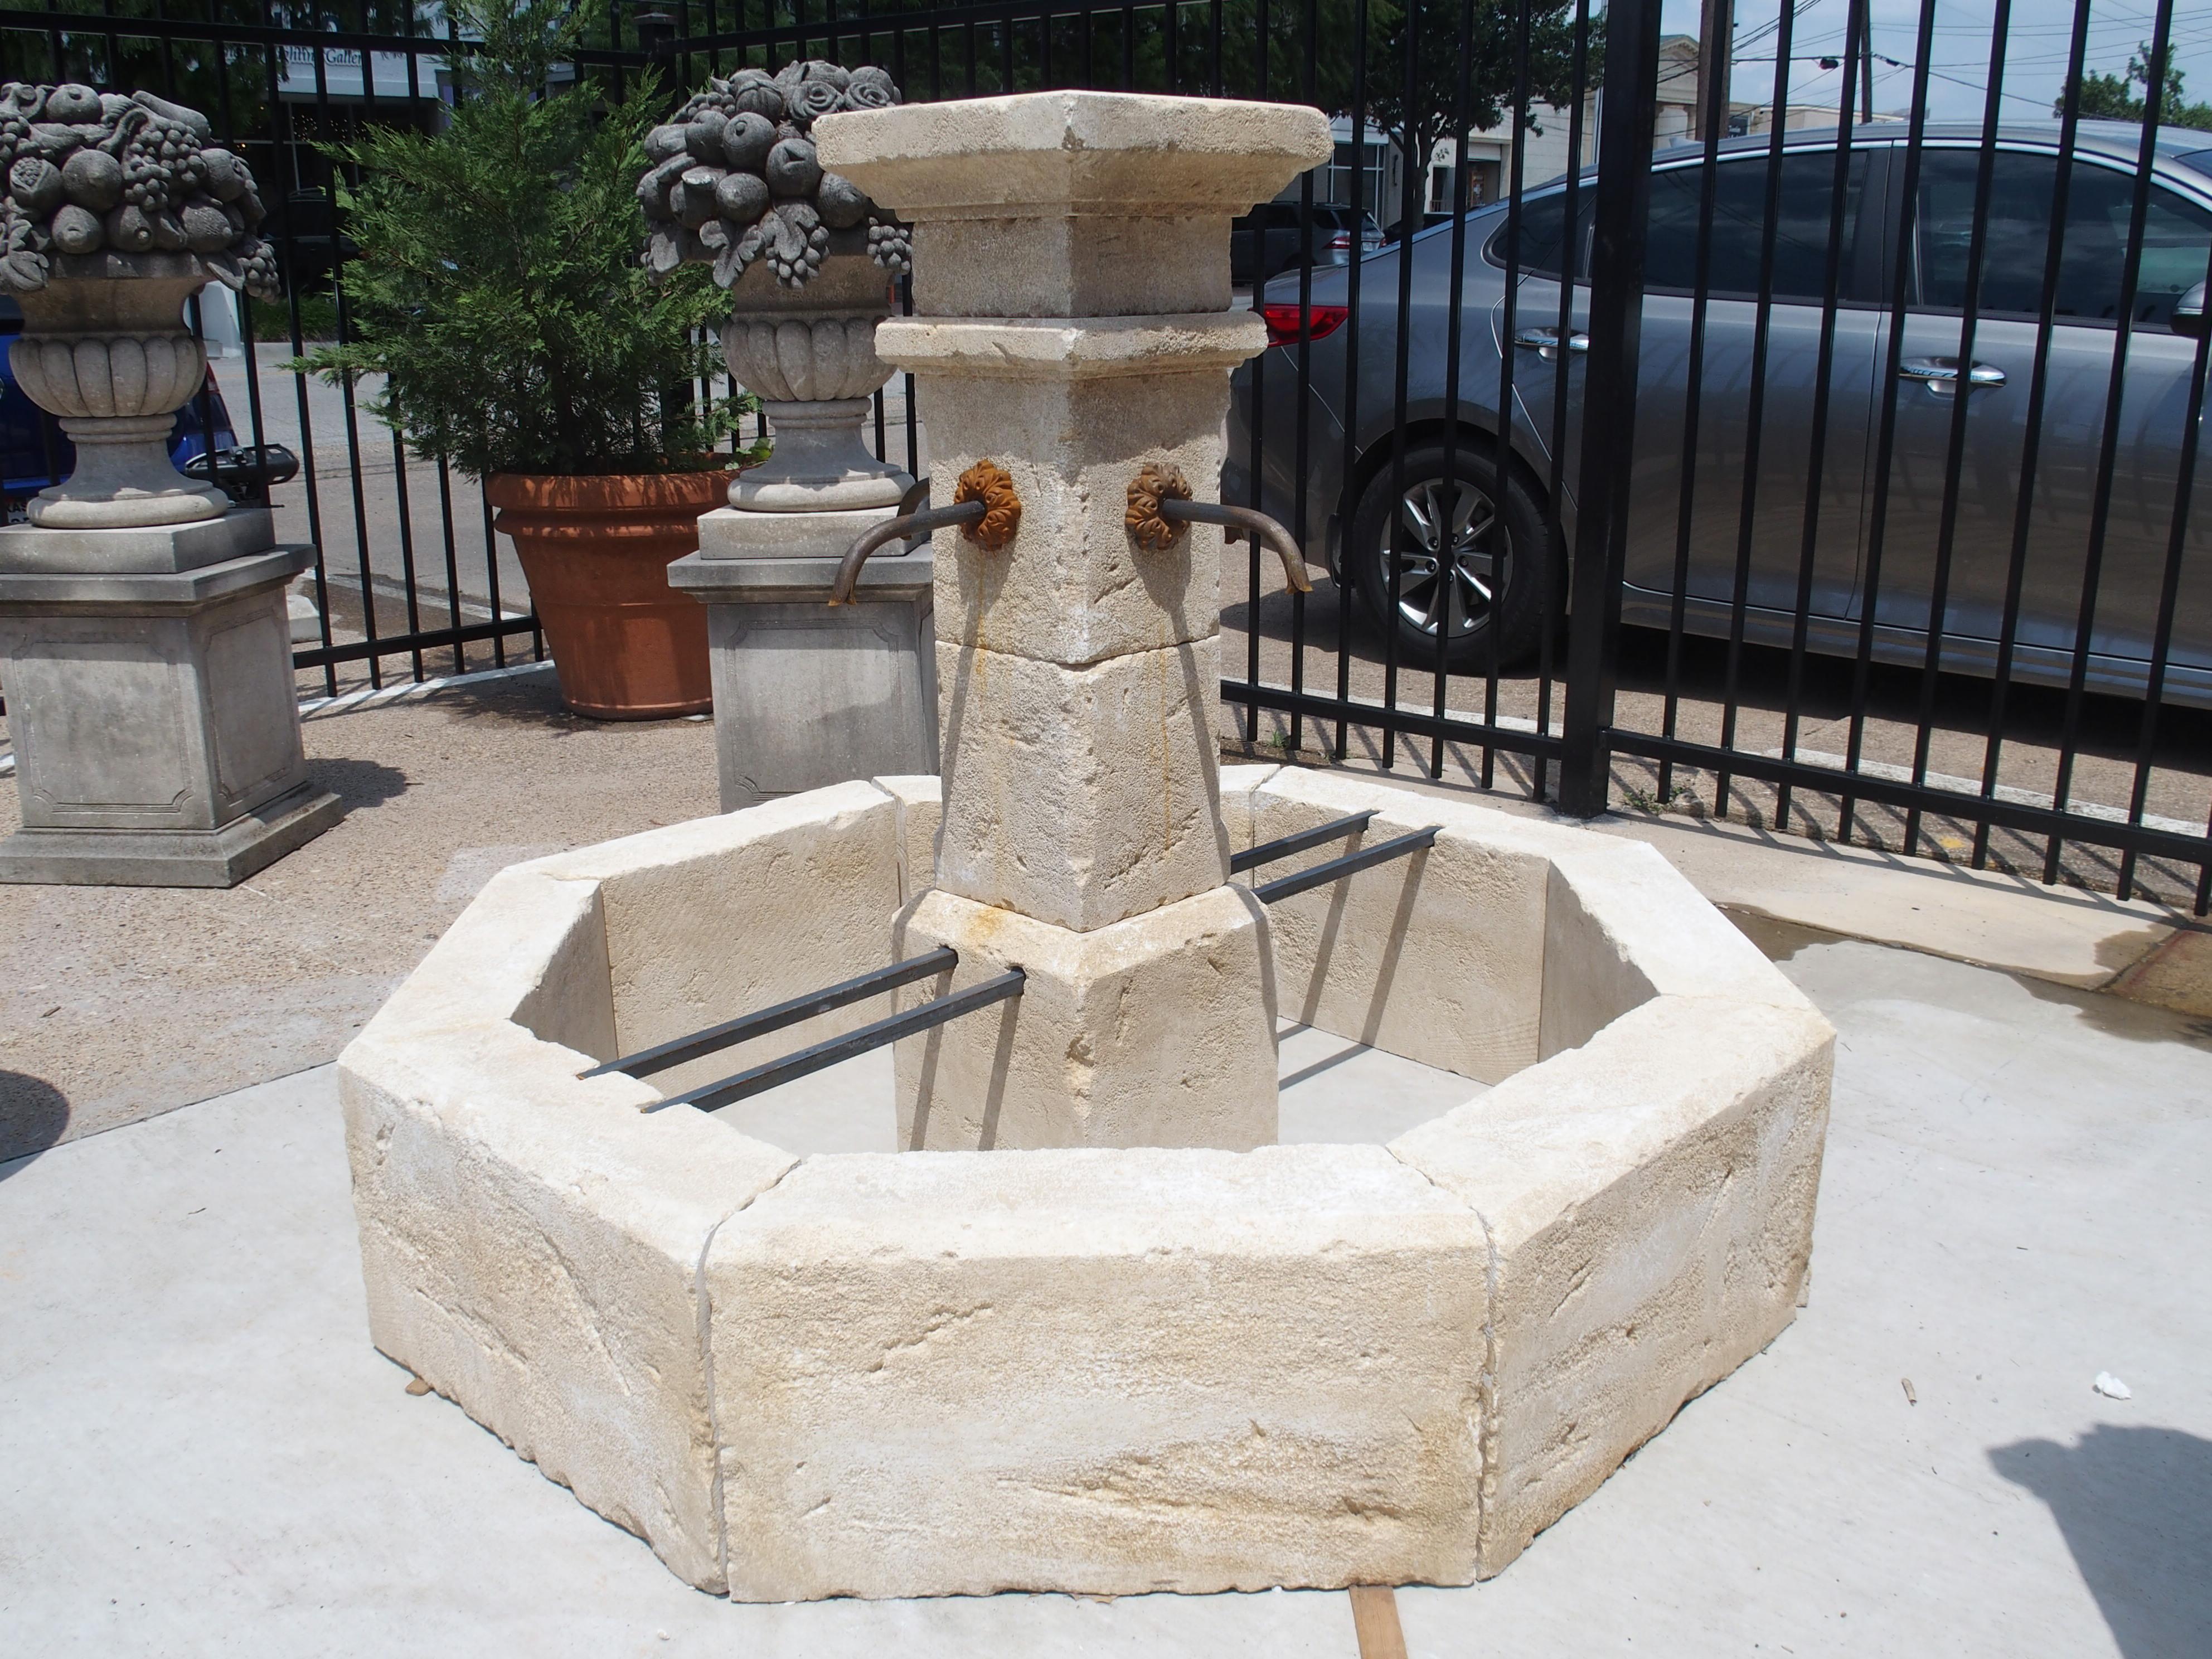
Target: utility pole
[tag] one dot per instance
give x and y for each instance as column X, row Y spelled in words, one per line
column 1718, row 25
column 1866, row 69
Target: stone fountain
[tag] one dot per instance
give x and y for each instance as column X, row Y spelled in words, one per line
column 1083, row 1324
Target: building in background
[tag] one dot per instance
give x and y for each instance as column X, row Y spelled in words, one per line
column 1381, row 173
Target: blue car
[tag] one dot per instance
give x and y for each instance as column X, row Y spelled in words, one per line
column 35, row 452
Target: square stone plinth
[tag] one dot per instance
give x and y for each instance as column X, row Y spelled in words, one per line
column 1158, row 1031
column 157, row 726
column 1081, row 796
column 156, row 550
column 807, row 693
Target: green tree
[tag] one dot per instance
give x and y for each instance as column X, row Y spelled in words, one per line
column 498, row 286
column 1288, row 60
column 2110, row 97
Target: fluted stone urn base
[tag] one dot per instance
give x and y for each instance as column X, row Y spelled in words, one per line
column 104, row 348
column 810, row 356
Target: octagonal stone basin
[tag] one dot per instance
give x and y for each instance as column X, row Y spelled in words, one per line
column 888, row 1374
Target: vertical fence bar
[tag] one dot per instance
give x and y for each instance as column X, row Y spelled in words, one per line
column 2169, row 595
column 1713, row 64
column 1395, row 575
column 1516, row 181
column 1762, row 333
column 1954, row 460
column 2109, row 444
column 1356, row 323
column 1905, row 219
column 1448, row 572
column 2038, row 391
column 1302, row 431
column 1823, row 387
column 1571, row 265
column 1626, row 111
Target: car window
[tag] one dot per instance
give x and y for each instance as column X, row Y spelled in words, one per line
column 1543, row 226
column 1801, row 231
column 2177, row 238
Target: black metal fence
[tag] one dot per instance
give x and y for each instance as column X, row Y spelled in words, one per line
column 1797, row 421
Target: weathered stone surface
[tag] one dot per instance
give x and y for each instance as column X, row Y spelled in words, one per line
column 1100, row 265
column 1080, row 796
column 921, row 809
column 1075, row 587
column 1156, row 1031
column 155, row 723
column 1057, row 347
column 1104, row 1372
column 1438, row 957
column 530, row 1248
column 807, row 693
column 1089, row 203
column 1647, row 1199
column 1623, row 926
column 726, row 533
column 532, row 948
column 716, row 918
column 158, row 549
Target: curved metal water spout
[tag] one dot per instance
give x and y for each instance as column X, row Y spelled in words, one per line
column 892, row 529
column 1252, row 522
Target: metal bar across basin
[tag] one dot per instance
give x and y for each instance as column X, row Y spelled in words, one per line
column 647, row 1061
column 822, row 1055
column 1283, row 887
column 1268, row 851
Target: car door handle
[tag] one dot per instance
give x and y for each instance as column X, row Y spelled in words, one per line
column 1940, row 374
column 1545, row 342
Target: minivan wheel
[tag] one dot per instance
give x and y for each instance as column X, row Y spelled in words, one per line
column 1468, row 558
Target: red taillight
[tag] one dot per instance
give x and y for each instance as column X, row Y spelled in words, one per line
column 1341, row 242
column 1321, row 322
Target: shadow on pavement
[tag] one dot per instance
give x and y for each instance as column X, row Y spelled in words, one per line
column 359, row 782
column 2135, row 1506
column 33, row 1115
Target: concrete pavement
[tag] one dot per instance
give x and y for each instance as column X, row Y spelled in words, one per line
column 203, row 1455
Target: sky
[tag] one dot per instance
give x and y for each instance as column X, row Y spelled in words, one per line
column 2037, row 39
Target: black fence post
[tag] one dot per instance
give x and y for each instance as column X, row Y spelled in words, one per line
column 1627, row 110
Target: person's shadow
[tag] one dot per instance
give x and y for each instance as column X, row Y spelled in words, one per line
column 33, row 1115
column 2134, row 1505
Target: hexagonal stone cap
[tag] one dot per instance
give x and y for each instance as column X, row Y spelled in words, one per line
column 1055, row 152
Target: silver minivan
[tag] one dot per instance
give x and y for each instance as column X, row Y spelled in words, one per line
column 1469, row 547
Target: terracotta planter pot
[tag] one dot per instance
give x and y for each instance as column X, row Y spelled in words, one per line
column 626, row 645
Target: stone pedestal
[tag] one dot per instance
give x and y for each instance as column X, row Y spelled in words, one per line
column 807, row 695
column 1072, row 293
column 150, row 697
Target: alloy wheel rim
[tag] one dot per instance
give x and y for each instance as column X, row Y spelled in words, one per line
column 1446, row 554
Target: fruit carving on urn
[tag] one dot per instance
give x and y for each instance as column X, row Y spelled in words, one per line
column 808, row 260
column 117, row 211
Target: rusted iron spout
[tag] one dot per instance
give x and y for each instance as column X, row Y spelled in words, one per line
column 893, row 529
column 1252, row 523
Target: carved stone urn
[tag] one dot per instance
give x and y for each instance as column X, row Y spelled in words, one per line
column 808, row 260
column 809, row 354
column 804, row 695
column 104, row 347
